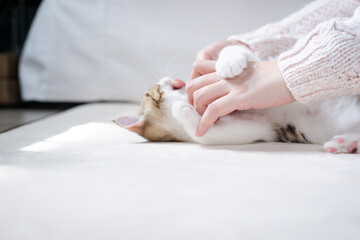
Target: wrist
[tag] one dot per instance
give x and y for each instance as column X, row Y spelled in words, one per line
column 286, row 95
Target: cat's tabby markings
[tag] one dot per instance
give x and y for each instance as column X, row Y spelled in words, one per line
column 290, row 134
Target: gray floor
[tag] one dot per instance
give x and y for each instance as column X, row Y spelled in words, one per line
column 13, row 117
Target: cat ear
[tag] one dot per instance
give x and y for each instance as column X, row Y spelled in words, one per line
column 134, row 124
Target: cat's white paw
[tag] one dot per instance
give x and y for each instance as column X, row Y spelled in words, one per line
column 342, row 144
column 185, row 113
column 183, row 110
column 232, row 61
column 229, row 65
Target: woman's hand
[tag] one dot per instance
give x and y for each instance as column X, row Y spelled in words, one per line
column 260, row 86
column 211, row 52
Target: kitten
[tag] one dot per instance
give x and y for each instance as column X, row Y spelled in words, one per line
column 166, row 115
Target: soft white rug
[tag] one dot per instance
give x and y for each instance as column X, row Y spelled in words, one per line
column 77, row 175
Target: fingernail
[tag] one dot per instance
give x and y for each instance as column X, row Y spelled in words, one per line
column 176, row 80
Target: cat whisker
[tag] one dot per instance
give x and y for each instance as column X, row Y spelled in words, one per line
column 170, row 64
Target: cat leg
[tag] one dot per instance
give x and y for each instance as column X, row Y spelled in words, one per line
column 238, row 130
column 187, row 117
column 232, row 61
column 346, row 143
column 241, row 129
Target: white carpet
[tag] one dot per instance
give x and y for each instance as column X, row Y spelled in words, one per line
column 77, row 175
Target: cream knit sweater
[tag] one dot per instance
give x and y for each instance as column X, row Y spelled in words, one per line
column 317, row 49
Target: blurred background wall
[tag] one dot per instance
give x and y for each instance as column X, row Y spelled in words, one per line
column 15, row 20
column 91, row 50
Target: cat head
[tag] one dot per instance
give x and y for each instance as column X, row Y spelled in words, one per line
column 154, row 120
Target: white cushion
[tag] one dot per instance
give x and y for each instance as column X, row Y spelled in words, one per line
column 88, row 50
column 85, row 178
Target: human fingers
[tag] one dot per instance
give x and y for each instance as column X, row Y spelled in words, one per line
column 216, row 109
column 198, row 83
column 177, row 83
column 202, row 67
column 204, row 54
column 208, row 94
column 211, row 51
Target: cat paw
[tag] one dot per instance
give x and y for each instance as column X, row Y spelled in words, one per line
column 230, row 66
column 341, row 144
column 184, row 112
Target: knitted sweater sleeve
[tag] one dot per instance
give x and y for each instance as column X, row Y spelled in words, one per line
column 325, row 62
column 272, row 39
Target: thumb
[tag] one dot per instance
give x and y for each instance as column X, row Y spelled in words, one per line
column 177, row 83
